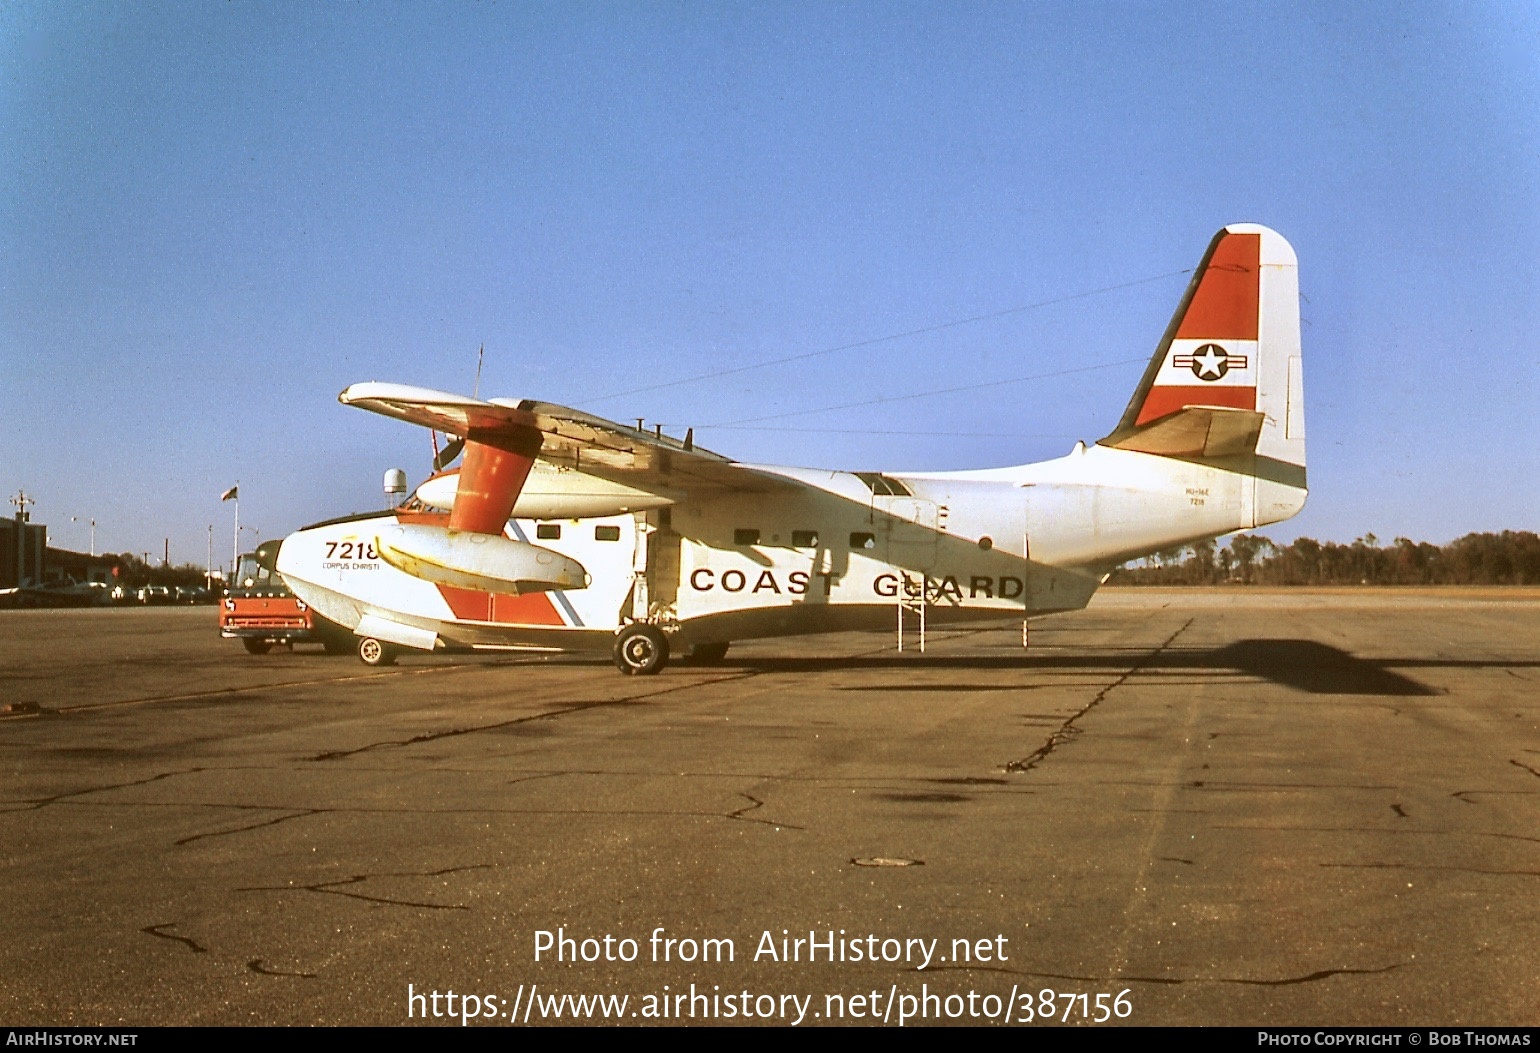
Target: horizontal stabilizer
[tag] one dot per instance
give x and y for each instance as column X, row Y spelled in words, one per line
column 482, row 562
column 1194, row 431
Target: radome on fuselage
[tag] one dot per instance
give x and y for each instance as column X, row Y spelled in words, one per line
column 565, row 530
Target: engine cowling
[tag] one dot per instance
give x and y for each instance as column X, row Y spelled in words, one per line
column 555, row 493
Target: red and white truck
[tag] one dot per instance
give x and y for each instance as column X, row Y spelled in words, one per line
column 259, row 610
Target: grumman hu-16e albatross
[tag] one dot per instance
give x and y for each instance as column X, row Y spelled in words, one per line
column 563, row 530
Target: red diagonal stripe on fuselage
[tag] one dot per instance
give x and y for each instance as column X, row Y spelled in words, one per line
column 502, row 608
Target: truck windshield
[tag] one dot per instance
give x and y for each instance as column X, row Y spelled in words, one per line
column 251, row 575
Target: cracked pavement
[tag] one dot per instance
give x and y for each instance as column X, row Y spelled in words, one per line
column 1246, row 808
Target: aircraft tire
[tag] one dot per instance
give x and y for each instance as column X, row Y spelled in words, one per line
column 255, row 646
column 641, row 650
column 709, row 653
column 374, row 652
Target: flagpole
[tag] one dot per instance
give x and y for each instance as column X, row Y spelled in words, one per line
column 235, row 545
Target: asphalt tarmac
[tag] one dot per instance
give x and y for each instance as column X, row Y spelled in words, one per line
column 1240, row 808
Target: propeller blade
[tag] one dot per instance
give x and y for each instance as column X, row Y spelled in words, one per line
column 449, row 453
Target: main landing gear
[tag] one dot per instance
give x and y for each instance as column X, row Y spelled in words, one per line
column 641, row 650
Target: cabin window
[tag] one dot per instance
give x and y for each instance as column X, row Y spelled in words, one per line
column 804, row 539
column 883, row 485
column 606, row 533
column 746, row 536
column 548, row 531
column 863, row 542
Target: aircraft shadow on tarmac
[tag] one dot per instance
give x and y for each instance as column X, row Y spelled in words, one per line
column 1303, row 665
column 1308, row 666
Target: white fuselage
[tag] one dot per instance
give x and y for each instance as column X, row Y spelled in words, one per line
column 835, row 550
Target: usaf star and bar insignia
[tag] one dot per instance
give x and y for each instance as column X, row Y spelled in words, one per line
column 1209, row 362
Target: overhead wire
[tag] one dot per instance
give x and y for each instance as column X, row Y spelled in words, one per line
column 923, row 330
column 924, row 394
column 901, row 431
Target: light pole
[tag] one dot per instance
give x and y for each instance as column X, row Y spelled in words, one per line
column 76, row 519
column 21, row 501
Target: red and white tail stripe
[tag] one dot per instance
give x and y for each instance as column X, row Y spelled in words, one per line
column 1234, row 342
column 1211, row 358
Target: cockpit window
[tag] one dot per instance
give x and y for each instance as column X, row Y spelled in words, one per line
column 882, row 485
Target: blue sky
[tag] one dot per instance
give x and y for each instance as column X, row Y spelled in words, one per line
column 213, row 217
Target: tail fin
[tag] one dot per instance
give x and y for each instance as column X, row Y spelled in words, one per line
column 1228, row 367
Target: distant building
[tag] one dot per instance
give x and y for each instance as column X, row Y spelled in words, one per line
column 61, row 563
column 23, row 552
column 26, row 559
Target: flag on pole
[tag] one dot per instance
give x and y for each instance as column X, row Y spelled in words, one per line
column 228, row 494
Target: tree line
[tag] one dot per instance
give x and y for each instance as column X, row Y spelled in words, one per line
column 1509, row 558
column 134, row 572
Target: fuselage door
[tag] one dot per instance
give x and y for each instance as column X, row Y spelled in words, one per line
column 910, row 532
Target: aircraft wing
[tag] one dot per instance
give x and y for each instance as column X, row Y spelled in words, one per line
column 570, row 438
